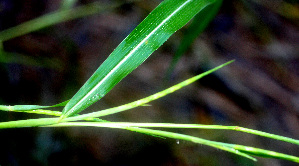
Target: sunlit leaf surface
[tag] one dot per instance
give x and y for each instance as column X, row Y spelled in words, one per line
column 148, row 36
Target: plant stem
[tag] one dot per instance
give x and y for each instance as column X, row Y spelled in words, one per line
column 28, row 123
column 171, row 125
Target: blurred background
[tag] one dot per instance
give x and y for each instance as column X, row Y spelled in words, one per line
column 259, row 90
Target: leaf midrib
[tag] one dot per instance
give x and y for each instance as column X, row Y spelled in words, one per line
column 128, row 55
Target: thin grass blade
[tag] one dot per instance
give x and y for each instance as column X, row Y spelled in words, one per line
column 241, row 150
column 265, row 153
column 165, row 134
column 187, row 126
column 29, row 107
column 91, row 116
column 148, row 99
column 54, row 18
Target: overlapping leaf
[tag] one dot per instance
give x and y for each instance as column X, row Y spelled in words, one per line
column 148, row 36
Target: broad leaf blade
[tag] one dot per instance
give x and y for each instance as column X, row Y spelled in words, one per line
column 148, row 36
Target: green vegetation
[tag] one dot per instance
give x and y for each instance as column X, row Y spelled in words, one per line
column 147, row 37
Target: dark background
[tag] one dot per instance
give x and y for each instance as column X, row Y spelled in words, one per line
column 259, row 90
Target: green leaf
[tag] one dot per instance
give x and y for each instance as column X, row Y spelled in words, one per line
column 54, row 18
column 29, row 107
column 148, row 36
column 186, row 126
column 93, row 115
column 264, row 153
column 148, row 99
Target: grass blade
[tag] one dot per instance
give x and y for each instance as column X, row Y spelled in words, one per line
column 186, row 126
column 149, row 98
column 54, row 18
column 148, row 36
column 165, row 134
column 241, row 150
column 29, row 107
column 141, row 102
column 265, row 153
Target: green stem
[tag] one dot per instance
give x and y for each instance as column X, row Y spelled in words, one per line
column 218, row 145
column 241, row 150
column 147, row 99
column 171, row 125
column 28, row 123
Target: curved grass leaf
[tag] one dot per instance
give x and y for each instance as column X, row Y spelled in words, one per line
column 91, row 116
column 148, row 99
column 29, row 107
column 54, row 18
column 148, row 36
